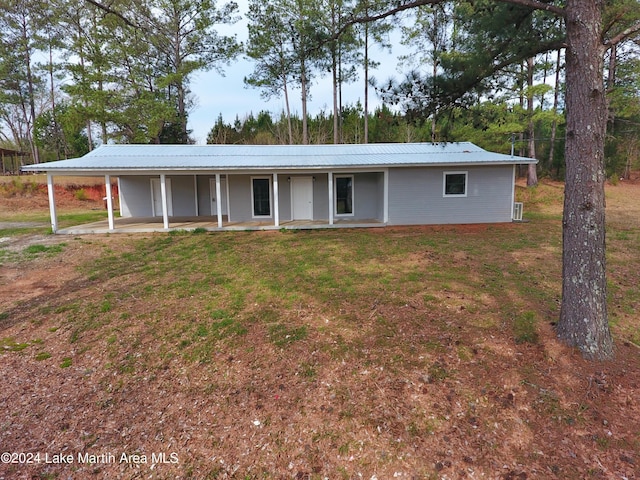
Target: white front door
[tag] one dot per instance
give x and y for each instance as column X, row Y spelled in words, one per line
column 156, row 197
column 223, row 196
column 301, row 198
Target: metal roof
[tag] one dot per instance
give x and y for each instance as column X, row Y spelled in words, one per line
column 112, row 158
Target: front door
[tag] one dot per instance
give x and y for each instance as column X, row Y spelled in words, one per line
column 156, row 197
column 301, row 198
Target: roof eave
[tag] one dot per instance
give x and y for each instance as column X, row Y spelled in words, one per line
column 105, row 170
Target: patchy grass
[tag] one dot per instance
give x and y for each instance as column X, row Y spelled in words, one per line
column 423, row 352
column 37, row 249
column 524, row 328
column 10, row 345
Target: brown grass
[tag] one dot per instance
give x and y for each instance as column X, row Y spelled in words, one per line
column 423, row 352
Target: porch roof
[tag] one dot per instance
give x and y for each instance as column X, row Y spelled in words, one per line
column 139, row 158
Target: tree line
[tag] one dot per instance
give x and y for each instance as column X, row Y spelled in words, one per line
column 76, row 74
column 127, row 65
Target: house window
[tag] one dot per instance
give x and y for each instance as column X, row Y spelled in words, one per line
column 261, row 196
column 344, row 195
column 455, row 184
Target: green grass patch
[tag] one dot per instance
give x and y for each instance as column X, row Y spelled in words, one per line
column 78, row 218
column 524, row 328
column 40, row 356
column 37, row 249
column 282, row 335
column 8, row 344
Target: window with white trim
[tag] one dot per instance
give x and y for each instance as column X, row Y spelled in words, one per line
column 454, row 184
column 261, row 196
column 343, row 194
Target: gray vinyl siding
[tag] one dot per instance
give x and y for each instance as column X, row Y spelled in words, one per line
column 321, row 197
column 183, row 195
column 204, row 196
column 284, row 197
column 240, row 201
column 367, row 202
column 416, row 196
column 135, row 196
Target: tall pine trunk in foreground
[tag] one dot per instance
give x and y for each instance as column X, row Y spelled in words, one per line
column 583, row 316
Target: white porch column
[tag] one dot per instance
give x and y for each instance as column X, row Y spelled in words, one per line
column 119, row 197
column 218, row 200
column 52, row 203
column 107, row 182
column 330, row 198
column 385, row 208
column 276, row 203
column 165, row 203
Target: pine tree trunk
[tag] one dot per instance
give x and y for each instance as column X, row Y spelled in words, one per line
column 554, row 125
column 288, row 109
column 334, row 78
column 532, row 174
column 583, row 316
column 305, row 122
column 366, row 83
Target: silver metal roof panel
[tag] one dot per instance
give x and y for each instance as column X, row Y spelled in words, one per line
column 246, row 157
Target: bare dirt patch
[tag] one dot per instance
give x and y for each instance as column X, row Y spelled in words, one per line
column 136, row 372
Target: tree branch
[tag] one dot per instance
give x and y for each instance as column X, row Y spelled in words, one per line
column 623, row 35
column 537, row 5
column 402, row 6
column 112, row 12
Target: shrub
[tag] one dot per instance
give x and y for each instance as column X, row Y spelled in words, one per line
column 81, row 195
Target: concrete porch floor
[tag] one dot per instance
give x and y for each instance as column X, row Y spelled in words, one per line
column 208, row 223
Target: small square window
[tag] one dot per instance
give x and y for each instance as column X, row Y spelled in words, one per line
column 455, row 184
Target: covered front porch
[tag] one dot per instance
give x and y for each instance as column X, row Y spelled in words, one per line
column 208, row 223
column 215, row 201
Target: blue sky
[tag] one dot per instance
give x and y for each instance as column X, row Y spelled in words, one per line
column 228, row 95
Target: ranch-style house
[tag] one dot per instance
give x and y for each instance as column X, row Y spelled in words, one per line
column 227, row 187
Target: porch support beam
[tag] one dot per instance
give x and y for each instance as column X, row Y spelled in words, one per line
column 107, row 185
column 195, row 189
column 165, row 203
column 330, row 175
column 52, row 203
column 276, row 203
column 385, row 207
column 218, row 200
column 119, row 197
